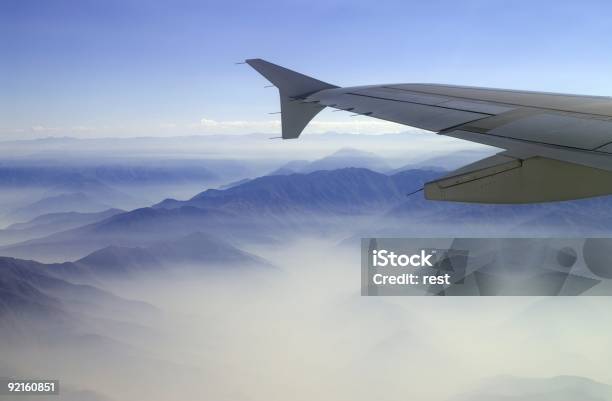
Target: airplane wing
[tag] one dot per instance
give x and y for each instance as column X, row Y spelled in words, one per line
column 557, row 146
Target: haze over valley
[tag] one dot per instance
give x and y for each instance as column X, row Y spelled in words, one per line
column 228, row 268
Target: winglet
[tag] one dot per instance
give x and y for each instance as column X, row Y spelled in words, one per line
column 292, row 86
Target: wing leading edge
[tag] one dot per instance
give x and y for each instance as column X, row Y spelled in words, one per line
column 557, row 146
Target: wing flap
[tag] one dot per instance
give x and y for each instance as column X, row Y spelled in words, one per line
column 500, row 179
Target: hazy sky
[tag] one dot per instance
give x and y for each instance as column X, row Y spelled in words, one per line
column 127, row 67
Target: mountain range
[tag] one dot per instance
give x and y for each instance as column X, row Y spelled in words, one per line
column 35, row 302
column 344, row 191
column 343, row 158
column 51, row 223
column 269, row 206
column 55, row 298
column 198, row 251
column 208, row 232
column 51, row 174
column 274, row 207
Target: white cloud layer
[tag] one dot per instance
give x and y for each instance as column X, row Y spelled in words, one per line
column 356, row 125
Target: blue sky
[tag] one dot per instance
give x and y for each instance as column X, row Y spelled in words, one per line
column 123, row 68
